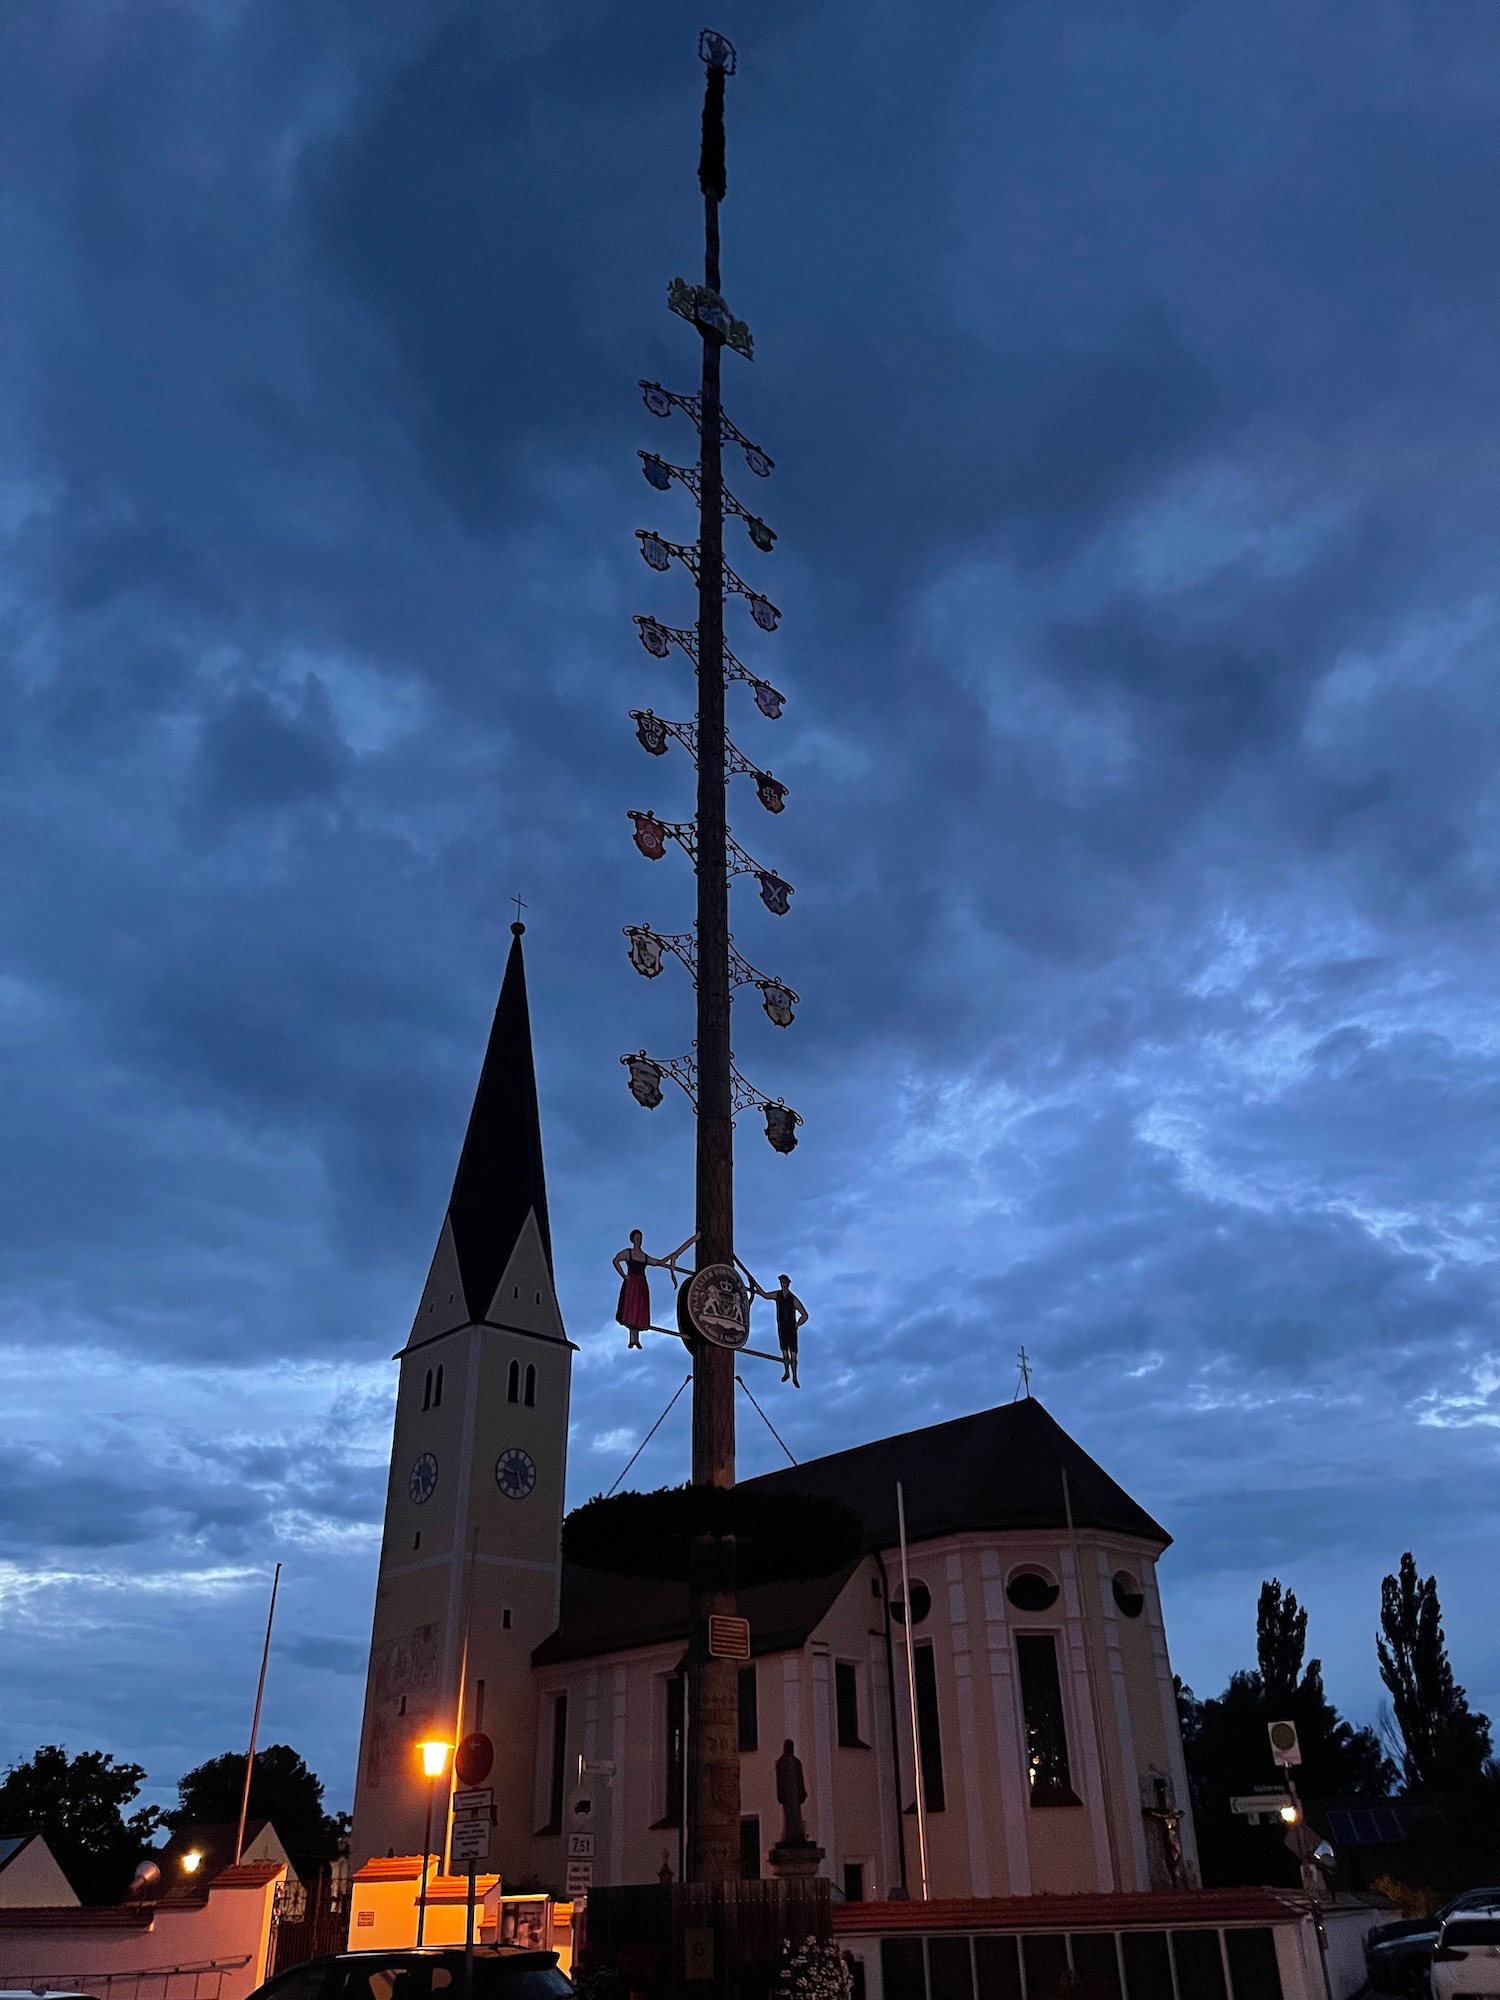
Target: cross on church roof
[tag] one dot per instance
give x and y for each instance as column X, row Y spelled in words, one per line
column 1023, row 1364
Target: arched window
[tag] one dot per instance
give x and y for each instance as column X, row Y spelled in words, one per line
column 513, row 1385
column 437, row 1390
column 427, row 1392
column 530, row 1385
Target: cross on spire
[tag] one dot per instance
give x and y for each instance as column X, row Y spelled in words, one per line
column 518, row 926
column 1023, row 1367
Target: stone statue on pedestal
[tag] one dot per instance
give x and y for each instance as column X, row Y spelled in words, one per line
column 794, row 1853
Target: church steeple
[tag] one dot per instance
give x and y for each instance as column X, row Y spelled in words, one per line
column 493, row 1263
column 500, row 1180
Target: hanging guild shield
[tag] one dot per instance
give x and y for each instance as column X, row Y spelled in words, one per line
column 658, row 402
column 774, row 893
column 763, row 537
column 757, row 461
column 777, row 1000
column 651, row 731
column 650, row 836
column 770, row 701
column 770, row 791
column 655, row 551
column 719, row 1306
column 762, row 610
column 781, row 1127
column 645, row 1079
column 656, row 471
column 654, row 637
column 646, row 950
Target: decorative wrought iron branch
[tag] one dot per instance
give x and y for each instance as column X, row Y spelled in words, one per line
column 657, row 552
column 649, row 947
column 659, row 639
column 648, row 1073
column 661, row 403
column 660, row 473
column 652, row 834
column 653, row 731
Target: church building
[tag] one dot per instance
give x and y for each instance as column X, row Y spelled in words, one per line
column 1044, row 1719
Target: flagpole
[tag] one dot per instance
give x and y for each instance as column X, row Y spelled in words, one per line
column 260, row 1689
column 911, row 1687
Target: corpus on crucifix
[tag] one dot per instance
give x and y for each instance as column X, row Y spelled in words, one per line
column 633, row 1311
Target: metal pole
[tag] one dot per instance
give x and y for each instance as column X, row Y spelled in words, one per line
column 469, row 1941
column 426, row 1856
column 713, row 1743
column 260, row 1689
column 911, row 1688
column 1085, row 1598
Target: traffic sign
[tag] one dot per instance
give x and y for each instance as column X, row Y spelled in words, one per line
column 1260, row 1805
column 471, row 1839
column 1285, row 1749
column 580, row 1847
column 479, row 1800
column 580, row 1878
column 600, row 1767
column 581, row 1810
column 474, row 1758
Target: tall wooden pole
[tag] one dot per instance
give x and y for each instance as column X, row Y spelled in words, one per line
column 260, row 1690
column 713, row 1709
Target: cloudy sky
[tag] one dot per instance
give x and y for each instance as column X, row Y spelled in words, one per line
column 1133, row 378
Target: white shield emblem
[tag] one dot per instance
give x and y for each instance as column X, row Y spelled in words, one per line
column 762, row 610
column 646, row 950
column 645, row 1079
column 777, row 1001
column 656, row 552
column 767, row 699
column 781, row 1127
column 654, row 637
column 658, row 402
column 757, row 461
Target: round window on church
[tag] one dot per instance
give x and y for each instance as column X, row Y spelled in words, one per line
column 921, row 1604
column 1128, row 1593
column 1031, row 1590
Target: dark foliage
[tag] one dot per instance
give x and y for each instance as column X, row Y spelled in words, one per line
column 77, row 1804
column 1444, row 1744
column 282, row 1790
column 777, row 1536
column 1228, row 1752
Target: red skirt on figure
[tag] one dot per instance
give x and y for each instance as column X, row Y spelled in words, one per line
column 634, row 1308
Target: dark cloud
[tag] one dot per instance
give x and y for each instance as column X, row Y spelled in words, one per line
column 1130, row 385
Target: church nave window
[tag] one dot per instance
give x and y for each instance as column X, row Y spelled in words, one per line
column 531, row 1385
column 929, row 1728
column 1047, row 1770
column 513, row 1383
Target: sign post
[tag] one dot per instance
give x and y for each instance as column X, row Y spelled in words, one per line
column 473, row 1816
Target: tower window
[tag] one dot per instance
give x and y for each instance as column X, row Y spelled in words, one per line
column 929, row 1729
column 437, row 1387
column 1046, row 1730
column 504, row 1624
column 749, row 1710
column 513, row 1383
column 427, row 1391
column 846, row 1705
column 531, row 1385
column 416, row 1540
column 401, row 1706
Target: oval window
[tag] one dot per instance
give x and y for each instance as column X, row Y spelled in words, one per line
column 921, row 1604
column 1030, row 1590
column 1128, row 1593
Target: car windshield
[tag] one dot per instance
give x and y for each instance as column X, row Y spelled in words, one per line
column 501, row 1979
column 1472, row 1930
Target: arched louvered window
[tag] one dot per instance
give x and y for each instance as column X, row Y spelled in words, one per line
column 437, row 1387
column 513, row 1385
column 530, row 1385
column 427, row 1391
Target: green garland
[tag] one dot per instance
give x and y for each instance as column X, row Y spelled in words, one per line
column 777, row 1536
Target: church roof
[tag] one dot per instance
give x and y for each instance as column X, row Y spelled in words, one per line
column 999, row 1469
column 500, row 1178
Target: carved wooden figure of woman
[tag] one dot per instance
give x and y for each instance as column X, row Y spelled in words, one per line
column 633, row 1311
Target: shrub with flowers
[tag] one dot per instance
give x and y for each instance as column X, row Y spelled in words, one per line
column 813, row 1971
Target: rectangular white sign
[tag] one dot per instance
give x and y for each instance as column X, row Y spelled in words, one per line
column 471, row 1839
column 475, row 1801
column 580, row 1846
column 580, row 1878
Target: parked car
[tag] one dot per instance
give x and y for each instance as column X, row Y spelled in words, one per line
column 1466, row 1957
column 431, row 1972
column 1398, row 1956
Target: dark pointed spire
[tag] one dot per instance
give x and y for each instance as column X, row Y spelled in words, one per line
column 500, row 1179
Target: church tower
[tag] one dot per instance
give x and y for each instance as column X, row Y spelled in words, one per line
column 469, row 1563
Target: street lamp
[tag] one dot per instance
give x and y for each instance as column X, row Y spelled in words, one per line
column 435, row 1755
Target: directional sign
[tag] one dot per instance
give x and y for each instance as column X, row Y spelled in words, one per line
column 478, row 1800
column 1260, row 1805
column 471, row 1839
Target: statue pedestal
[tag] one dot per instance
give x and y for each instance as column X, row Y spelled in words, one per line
column 794, row 1859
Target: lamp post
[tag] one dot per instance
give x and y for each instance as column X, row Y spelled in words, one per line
column 709, row 1075
column 435, row 1755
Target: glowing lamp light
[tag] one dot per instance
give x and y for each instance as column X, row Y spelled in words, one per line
column 770, row 701
column 435, row 1757
column 774, row 893
column 656, row 552
column 763, row 537
column 655, row 470
column 654, row 637
column 650, row 730
column 1289, row 1815
column 192, row 1861
column 645, row 1079
column 770, row 791
column 781, row 1127
column 762, row 610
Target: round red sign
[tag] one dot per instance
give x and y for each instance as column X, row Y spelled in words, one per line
column 474, row 1759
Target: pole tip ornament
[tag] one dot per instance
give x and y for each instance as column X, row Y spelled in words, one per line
column 716, row 51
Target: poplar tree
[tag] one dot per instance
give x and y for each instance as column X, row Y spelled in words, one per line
column 1444, row 1744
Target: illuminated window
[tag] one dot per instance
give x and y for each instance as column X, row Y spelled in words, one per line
column 1046, row 1729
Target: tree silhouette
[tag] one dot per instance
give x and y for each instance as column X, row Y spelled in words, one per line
column 282, row 1790
column 77, row 1805
column 1444, row 1744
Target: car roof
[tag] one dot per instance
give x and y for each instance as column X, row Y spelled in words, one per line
column 1458, row 1915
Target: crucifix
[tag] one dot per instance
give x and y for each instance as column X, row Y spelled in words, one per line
column 1023, row 1364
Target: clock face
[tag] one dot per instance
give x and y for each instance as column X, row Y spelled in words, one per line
column 515, row 1473
column 423, row 1481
